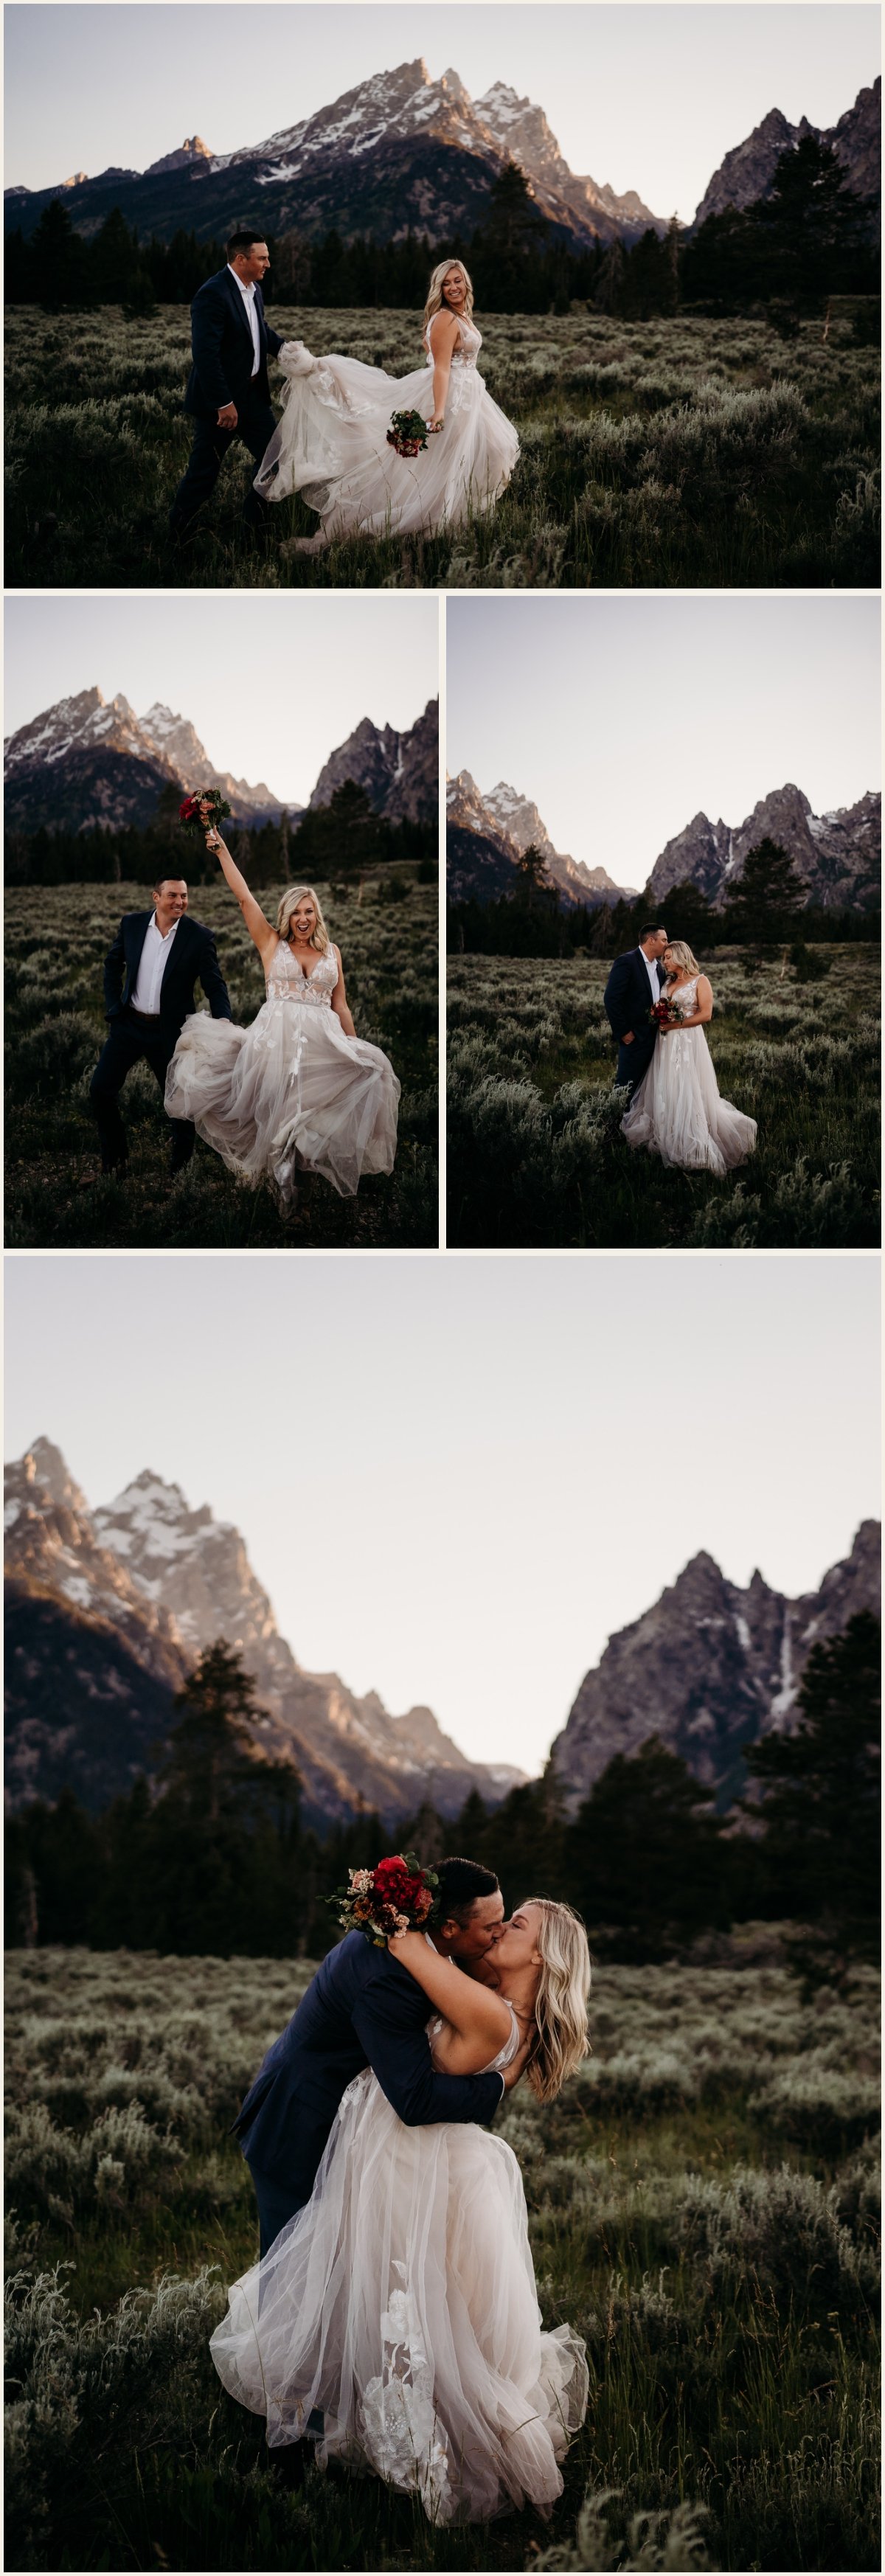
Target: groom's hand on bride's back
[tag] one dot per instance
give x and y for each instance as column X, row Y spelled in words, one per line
column 511, row 2074
column 227, row 417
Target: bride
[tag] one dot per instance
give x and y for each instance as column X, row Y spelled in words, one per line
column 298, row 1091
column 676, row 1110
column 331, row 443
column 401, row 2300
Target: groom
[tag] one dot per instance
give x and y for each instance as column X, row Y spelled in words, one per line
column 363, row 2009
column 634, row 985
column 228, row 393
column 149, row 977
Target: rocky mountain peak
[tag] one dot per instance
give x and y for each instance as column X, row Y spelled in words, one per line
column 505, row 821
column 838, row 855
column 123, row 1600
column 399, row 771
column 709, row 1667
column 747, row 173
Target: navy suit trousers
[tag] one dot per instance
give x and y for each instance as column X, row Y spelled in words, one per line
column 255, row 426
column 126, row 1044
column 634, row 1061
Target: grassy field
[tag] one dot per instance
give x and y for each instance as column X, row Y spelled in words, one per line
column 535, row 1154
column 683, row 452
column 55, row 1192
column 703, row 2205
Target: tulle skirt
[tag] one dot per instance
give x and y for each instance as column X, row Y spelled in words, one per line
column 676, row 1110
column 401, row 2302
column 289, row 1094
column 331, row 445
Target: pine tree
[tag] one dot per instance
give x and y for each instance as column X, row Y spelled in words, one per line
column 821, row 1803
column 58, row 259
column 644, row 1859
column 768, row 896
column 532, row 878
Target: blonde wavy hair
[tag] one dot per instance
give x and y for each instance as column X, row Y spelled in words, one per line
column 684, row 955
column 435, row 296
column 294, row 895
column 561, row 2001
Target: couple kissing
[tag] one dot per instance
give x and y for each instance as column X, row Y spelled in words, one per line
column 392, row 2321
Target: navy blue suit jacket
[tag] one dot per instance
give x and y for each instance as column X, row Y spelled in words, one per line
column 627, row 1002
column 361, row 2009
column 192, row 954
column 221, row 341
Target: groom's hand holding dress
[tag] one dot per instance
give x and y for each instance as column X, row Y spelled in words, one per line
column 228, row 393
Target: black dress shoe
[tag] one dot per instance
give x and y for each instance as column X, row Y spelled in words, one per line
column 289, row 2462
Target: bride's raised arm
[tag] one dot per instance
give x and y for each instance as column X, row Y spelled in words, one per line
column 474, row 2011
column 259, row 928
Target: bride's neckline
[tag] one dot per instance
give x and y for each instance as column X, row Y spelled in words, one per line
column 293, row 953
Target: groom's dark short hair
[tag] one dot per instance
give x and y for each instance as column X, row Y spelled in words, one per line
column 650, row 930
column 243, row 241
column 461, row 1883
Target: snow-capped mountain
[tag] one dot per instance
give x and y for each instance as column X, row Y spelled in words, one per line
column 400, row 151
column 110, row 1608
column 89, row 761
column 399, row 771
column 502, row 824
column 838, row 855
column 747, row 173
column 92, row 761
column 708, row 1668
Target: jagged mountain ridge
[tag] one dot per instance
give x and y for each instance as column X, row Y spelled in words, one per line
column 399, row 151
column 88, row 762
column 91, row 762
column 746, row 175
column 115, row 1605
column 399, row 771
column 707, row 1668
column 838, row 855
column 503, row 823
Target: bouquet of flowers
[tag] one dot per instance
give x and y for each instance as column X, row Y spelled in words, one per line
column 397, row 1896
column 205, row 810
column 407, row 432
column 666, row 1015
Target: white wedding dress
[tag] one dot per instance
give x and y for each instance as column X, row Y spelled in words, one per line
column 402, row 2303
column 291, row 1093
column 331, row 444
column 676, row 1110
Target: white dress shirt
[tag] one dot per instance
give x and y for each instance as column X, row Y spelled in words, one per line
column 651, row 964
column 152, row 964
column 248, row 295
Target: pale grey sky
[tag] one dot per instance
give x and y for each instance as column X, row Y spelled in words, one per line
column 273, row 681
column 450, row 1471
column 646, row 97
column 622, row 718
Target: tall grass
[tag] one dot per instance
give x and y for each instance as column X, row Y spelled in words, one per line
column 535, row 1152
column 55, row 1026
column 683, row 452
column 722, row 2272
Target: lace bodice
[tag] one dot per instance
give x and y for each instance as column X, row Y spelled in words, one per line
column 505, row 2055
column 468, row 348
column 287, row 982
column 687, row 997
